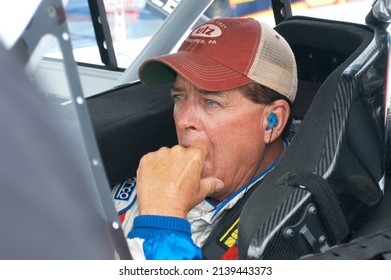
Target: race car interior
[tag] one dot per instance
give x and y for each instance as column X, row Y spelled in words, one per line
column 333, row 180
column 328, row 196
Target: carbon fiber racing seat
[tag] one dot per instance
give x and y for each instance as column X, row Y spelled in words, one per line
column 331, row 178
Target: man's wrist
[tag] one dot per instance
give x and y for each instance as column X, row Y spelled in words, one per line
column 158, row 210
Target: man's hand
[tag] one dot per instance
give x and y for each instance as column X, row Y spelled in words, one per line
column 169, row 180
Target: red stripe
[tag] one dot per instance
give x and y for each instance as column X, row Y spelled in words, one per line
column 231, row 253
column 122, row 217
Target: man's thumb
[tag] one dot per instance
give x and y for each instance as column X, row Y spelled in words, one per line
column 211, row 185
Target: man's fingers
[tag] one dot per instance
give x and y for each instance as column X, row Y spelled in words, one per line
column 210, row 186
column 201, row 145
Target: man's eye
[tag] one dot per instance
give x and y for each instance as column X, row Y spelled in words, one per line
column 211, row 102
column 177, row 97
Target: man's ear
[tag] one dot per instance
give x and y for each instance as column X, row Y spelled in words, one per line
column 275, row 119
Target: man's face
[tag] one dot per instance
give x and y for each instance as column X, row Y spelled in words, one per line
column 230, row 124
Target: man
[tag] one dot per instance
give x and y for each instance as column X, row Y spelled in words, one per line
column 234, row 80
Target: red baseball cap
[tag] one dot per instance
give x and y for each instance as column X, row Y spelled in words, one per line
column 227, row 53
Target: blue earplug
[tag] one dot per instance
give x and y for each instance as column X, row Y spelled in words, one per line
column 271, row 121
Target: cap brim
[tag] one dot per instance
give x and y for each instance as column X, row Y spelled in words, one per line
column 200, row 70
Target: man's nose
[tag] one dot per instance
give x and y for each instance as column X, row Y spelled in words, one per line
column 187, row 117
